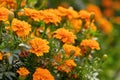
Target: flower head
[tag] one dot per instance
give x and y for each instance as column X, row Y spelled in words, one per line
column 95, row 9
column 23, row 71
column 42, row 74
column 93, row 44
column 46, row 15
column 65, row 35
column 69, row 13
column 70, row 63
column 49, row 17
column 67, row 66
column 76, row 23
column 32, row 13
column 91, row 26
column 4, row 14
column 1, row 56
column 21, row 28
column 39, row 46
column 8, row 3
column 105, row 25
column 69, row 48
column 85, row 15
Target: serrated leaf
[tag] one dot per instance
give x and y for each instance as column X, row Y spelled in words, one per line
column 10, row 75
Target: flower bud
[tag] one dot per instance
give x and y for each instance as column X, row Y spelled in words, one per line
column 105, row 56
column 92, row 16
column 10, row 16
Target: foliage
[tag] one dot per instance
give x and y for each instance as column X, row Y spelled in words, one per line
column 52, row 44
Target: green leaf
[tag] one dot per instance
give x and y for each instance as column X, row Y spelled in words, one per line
column 1, row 75
column 10, row 75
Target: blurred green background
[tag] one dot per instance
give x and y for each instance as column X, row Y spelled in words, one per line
column 110, row 43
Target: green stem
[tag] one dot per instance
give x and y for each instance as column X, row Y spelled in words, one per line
column 19, row 4
column 43, row 4
column 0, row 31
column 44, row 32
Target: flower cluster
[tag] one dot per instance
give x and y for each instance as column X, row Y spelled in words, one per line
column 46, row 44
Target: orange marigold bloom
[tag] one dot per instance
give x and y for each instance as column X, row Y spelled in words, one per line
column 21, row 28
column 116, row 20
column 93, row 44
column 95, row 9
column 42, row 74
column 69, row 48
column 105, row 25
column 70, row 63
column 4, row 14
column 8, row 3
column 39, row 46
column 32, row 13
column 76, row 23
column 23, row 71
column 1, row 56
column 116, row 5
column 54, row 11
column 109, row 12
column 67, row 66
column 49, row 17
column 65, row 35
column 107, row 3
column 90, row 25
column 46, row 15
column 69, row 13
column 85, row 15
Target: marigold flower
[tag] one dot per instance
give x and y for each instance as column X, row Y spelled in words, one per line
column 116, row 5
column 23, row 71
column 85, row 15
column 54, row 11
column 69, row 48
column 76, row 23
column 105, row 25
column 4, row 14
column 69, row 13
column 46, row 15
column 1, row 56
column 42, row 74
column 8, row 3
column 39, row 46
column 95, row 9
column 93, row 44
column 32, row 13
column 108, row 12
column 70, row 63
column 49, row 17
column 90, row 25
column 65, row 35
column 67, row 66
column 21, row 28
column 23, row 2
column 107, row 3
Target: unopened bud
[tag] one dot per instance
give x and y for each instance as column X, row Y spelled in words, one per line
column 10, row 16
column 105, row 56
column 92, row 16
